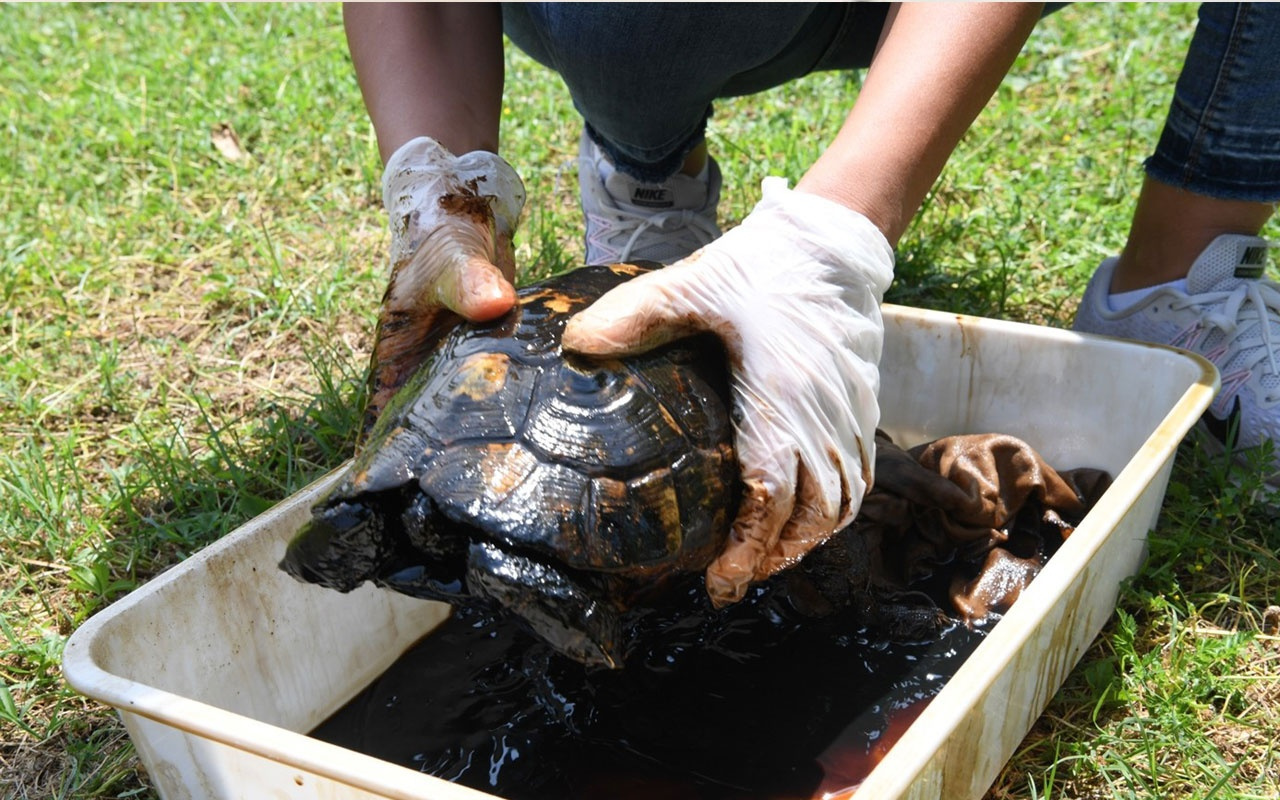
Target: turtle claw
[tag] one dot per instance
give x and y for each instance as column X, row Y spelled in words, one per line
column 555, row 607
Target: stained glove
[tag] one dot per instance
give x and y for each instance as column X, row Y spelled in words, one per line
column 452, row 218
column 794, row 293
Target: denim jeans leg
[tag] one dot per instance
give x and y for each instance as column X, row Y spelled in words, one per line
column 644, row 76
column 1222, row 135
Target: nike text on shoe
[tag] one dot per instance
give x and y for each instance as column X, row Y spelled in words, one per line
column 1230, row 314
column 627, row 219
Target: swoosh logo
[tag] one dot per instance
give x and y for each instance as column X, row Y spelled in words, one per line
column 1224, row 429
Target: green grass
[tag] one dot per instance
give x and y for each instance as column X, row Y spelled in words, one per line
column 185, row 331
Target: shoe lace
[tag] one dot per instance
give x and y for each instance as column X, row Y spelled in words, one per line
column 1254, row 300
column 681, row 222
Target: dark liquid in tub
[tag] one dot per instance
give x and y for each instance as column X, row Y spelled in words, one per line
column 767, row 706
column 765, row 699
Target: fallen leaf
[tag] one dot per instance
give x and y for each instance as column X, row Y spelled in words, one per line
column 225, row 140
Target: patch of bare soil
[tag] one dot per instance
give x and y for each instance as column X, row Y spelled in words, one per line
column 38, row 770
column 1250, row 741
column 183, row 328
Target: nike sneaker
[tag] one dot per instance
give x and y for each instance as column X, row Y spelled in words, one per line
column 627, row 219
column 1226, row 310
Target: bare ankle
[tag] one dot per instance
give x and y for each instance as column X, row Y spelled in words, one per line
column 1172, row 226
column 695, row 161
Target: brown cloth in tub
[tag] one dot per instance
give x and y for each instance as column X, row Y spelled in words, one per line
column 979, row 514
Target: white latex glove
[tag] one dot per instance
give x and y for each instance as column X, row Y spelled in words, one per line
column 452, row 218
column 794, row 293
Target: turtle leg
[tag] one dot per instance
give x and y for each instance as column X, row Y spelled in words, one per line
column 430, row 556
column 557, row 608
column 341, row 547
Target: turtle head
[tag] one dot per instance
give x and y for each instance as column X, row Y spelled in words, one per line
column 390, row 537
column 559, row 610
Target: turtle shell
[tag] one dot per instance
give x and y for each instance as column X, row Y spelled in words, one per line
column 555, row 484
column 603, row 465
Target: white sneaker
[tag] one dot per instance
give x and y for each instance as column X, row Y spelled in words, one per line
column 1230, row 314
column 630, row 220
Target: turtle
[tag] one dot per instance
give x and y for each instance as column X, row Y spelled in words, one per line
column 562, row 488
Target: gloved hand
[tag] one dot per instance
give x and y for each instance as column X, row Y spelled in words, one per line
column 794, row 293
column 452, row 218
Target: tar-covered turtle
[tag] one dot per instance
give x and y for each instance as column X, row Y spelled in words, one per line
column 562, row 488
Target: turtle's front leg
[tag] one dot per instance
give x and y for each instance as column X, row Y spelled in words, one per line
column 342, row 546
column 556, row 607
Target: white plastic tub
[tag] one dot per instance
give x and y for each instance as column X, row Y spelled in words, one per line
column 219, row 666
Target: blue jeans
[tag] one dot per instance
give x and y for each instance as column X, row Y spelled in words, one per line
column 644, row 77
column 1222, row 135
